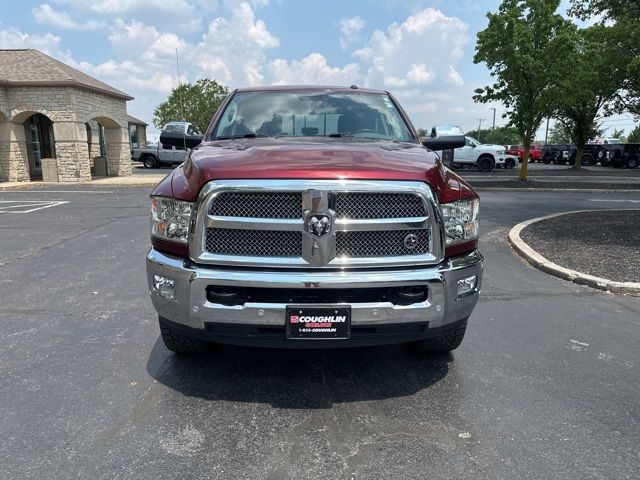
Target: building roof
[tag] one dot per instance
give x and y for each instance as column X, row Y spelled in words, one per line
column 30, row 67
column 135, row 121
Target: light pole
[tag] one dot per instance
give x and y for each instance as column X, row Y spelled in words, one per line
column 480, row 120
column 493, row 127
column 546, row 135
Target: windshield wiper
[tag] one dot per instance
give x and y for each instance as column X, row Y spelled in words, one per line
column 246, row 135
column 340, row 135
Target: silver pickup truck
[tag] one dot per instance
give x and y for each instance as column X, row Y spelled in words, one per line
column 165, row 155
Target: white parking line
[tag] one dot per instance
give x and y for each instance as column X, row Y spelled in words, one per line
column 28, row 206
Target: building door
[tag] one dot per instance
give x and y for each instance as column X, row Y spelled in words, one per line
column 42, row 143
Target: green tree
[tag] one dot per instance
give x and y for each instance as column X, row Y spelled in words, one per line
column 634, row 135
column 499, row 136
column 525, row 47
column 622, row 18
column 193, row 102
column 590, row 92
column 558, row 134
column 619, row 134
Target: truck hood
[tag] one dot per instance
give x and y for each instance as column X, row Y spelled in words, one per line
column 490, row 148
column 340, row 160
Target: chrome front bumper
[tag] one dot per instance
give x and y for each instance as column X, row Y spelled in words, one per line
column 191, row 308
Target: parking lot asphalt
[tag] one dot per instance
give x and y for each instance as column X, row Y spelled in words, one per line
column 545, row 385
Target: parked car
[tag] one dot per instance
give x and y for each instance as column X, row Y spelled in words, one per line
column 515, row 150
column 476, row 154
column 163, row 154
column 547, row 154
column 535, row 153
column 605, row 141
column 292, row 184
column 510, row 161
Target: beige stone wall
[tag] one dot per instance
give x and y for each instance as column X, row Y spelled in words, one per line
column 69, row 108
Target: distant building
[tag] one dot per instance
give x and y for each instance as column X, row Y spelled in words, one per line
column 51, row 110
column 137, row 132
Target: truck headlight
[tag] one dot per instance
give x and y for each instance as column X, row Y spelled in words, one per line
column 170, row 219
column 461, row 220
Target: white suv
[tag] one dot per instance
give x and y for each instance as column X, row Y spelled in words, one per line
column 474, row 153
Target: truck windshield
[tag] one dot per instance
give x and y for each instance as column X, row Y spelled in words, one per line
column 312, row 114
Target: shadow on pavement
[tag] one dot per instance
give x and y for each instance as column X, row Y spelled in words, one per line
column 298, row 378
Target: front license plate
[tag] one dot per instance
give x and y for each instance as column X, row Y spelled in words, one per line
column 318, row 323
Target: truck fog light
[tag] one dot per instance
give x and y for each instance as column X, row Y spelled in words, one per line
column 466, row 286
column 165, row 287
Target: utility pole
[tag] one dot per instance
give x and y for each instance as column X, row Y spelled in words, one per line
column 480, row 120
column 181, row 99
column 493, row 127
column 546, row 135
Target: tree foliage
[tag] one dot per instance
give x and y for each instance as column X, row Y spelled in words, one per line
column 621, row 17
column 558, row 134
column 634, row 135
column 590, row 92
column 525, row 47
column 193, row 102
column 501, row 135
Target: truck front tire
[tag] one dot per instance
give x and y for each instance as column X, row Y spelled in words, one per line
column 177, row 341
column 486, row 164
column 149, row 162
column 445, row 342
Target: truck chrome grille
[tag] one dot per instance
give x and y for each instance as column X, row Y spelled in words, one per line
column 254, row 243
column 367, row 205
column 380, row 243
column 317, row 224
column 257, row 204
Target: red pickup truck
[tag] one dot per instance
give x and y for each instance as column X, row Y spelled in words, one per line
column 535, row 152
column 313, row 217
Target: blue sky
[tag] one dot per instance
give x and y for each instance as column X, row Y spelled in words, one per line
column 421, row 51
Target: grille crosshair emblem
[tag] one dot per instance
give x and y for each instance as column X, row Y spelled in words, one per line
column 411, row 241
column 319, row 225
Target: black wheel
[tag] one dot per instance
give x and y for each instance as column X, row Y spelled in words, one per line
column 587, row 160
column 446, row 342
column 633, row 162
column 547, row 161
column 486, row 164
column 149, row 162
column 178, row 342
column 509, row 163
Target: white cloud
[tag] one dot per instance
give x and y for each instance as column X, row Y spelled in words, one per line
column 313, row 70
column 14, row 38
column 454, row 77
column 350, row 29
column 232, row 49
column 46, row 14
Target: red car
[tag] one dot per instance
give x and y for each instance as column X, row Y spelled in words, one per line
column 535, row 152
column 314, row 217
column 515, row 150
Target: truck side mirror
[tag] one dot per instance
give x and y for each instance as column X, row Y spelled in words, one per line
column 444, row 137
column 180, row 139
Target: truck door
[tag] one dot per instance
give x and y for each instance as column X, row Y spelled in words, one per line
column 465, row 154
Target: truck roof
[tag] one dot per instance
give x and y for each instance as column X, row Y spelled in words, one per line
column 303, row 88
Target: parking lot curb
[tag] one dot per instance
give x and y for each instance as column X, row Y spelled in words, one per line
column 542, row 263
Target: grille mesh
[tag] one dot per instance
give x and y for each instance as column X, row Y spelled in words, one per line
column 254, row 243
column 258, row 204
column 389, row 243
column 365, row 205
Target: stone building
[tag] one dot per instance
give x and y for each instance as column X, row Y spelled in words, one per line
column 137, row 132
column 51, row 110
